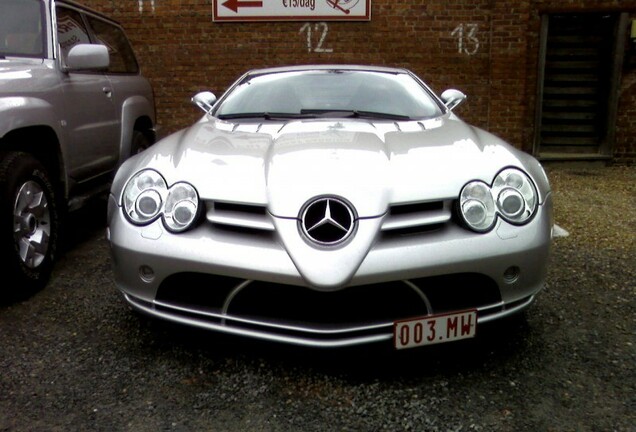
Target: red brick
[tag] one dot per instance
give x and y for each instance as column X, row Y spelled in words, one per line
column 182, row 51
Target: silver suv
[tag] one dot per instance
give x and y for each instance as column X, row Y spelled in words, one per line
column 73, row 107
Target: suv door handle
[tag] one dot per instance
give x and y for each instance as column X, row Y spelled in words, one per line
column 107, row 91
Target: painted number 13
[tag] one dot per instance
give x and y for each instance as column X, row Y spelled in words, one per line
column 467, row 42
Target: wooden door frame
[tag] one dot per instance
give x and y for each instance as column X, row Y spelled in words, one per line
column 606, row 147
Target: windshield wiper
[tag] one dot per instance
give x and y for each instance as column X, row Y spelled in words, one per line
column 263, row 115
column 314, row 113
column 380, row 115
column 355, row 114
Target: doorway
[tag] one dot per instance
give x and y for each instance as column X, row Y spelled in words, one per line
column 580, row 62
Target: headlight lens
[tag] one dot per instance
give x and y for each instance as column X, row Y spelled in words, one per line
column 510, row 203
column 477, row 206
column 516, row 196
column 181, row 207
column 147, row 196
column 142, row 196
column 512, row 196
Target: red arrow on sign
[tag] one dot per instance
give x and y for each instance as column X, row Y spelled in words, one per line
column 234, row 5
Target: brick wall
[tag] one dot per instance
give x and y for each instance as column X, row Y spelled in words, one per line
column 486, row 48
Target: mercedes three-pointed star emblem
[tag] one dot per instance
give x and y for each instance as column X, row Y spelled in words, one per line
column 327, row 221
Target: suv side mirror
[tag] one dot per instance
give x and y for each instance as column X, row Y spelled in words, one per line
column 204, row 100
column 452, row 98
column 87, row 57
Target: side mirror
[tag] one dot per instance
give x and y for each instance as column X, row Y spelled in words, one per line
column 452, row 98
column 87, row 57
column 204, row 100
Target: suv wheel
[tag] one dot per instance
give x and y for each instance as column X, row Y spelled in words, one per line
column 29, row 224
column 139, row 143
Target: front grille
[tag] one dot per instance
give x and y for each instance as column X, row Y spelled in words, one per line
column 419, row 217
column 300, row 315
column 414, row 208
column 349, row 307
column 459, row 291
column 405, row 218
column 236, row 208
column 226, row 297
column 201, row 291
column 250, row 217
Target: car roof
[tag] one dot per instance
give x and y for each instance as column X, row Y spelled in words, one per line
column 310, row 67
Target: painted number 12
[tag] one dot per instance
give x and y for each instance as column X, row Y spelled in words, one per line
column 318, row 27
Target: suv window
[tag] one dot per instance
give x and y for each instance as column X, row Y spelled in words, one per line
column 21, row 24
column 122, row 58
column 70, row 30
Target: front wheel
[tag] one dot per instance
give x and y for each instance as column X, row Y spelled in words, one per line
column 139, row 142
column 29, row 224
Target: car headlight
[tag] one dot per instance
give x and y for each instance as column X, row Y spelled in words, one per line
column 181, row 207
column 143, row 196
column 516, row 196
column 511, row 196
column 147, row 197
column 477, row 206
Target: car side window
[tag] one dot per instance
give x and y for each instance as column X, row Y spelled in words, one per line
column 21, row 24
column 71, row 30
column 122, row 58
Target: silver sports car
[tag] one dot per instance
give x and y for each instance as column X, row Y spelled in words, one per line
column 330, row 206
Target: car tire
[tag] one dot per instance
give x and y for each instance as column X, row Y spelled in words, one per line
column 139, row 142
column 29, row 225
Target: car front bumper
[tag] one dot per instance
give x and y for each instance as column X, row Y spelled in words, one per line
column 245, row 283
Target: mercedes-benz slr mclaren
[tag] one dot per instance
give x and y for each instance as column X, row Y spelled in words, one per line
column 329, row 206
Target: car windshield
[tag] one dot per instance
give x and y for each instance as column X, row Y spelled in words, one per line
column 22, row 28
column 329, row 93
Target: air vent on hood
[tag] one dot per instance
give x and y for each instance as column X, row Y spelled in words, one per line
column 239, row 215
column 416, row 217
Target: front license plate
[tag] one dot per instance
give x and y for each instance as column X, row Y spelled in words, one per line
column 434, row 329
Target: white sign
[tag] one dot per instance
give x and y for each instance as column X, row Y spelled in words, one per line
column 70, row 33
column 291, row 10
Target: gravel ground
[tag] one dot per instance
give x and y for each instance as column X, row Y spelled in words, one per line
column 75, row 358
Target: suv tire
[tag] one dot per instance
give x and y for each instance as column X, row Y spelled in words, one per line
column 139, row 143
column 29, row 224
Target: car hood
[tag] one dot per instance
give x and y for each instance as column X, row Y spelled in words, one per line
column 370, row 164
column 19, row 75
